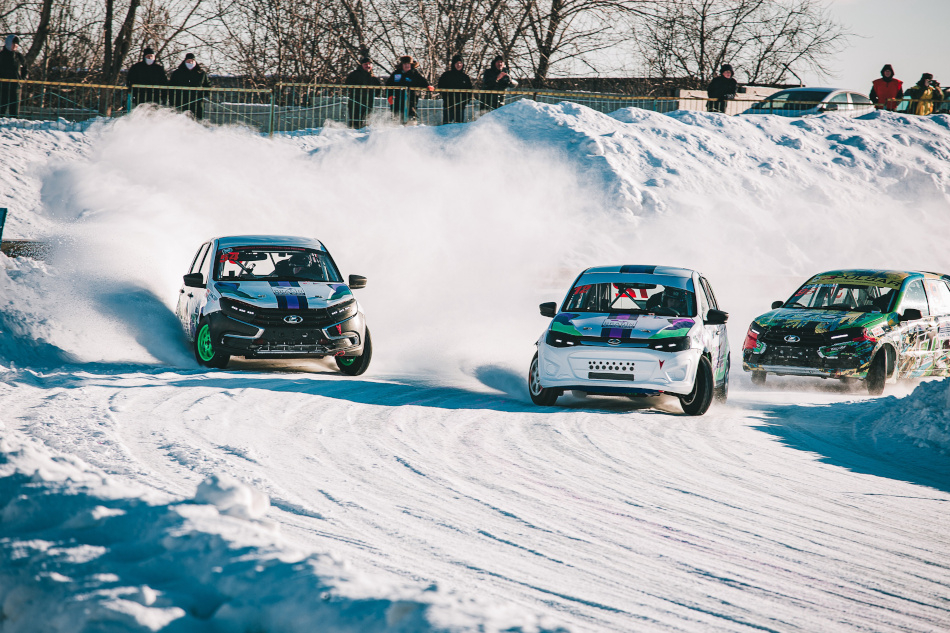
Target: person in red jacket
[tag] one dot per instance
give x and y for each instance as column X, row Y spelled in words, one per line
column 886, row 91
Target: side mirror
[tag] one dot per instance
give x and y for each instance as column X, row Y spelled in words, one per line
column 548, row 309
column 911, row 314
column 357, row 282
column 829, row 107
column 716, row 317
column 777, row 304
column 194, row 280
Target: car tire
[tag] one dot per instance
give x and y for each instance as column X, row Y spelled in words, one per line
column 205, row 352
column 697, row 401
column 357, row 365
column 877, row 374
column 540, row 395
column 722, row 392
column 758, row 378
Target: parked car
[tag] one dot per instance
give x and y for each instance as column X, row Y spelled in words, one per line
column 872, row 325
column 798, row 102
column 266, row 296
column 634, row 331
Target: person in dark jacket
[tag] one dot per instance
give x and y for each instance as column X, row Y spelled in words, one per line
column 189, row 74
column 496, row 78
column 147, row 72
column 406, row 75
column 886, row 91
column 722, row 88
column 926, row 96
column 453, row 103
column 12, row 66
column 361, row 100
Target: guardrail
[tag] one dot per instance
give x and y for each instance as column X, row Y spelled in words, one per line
column 295, row 107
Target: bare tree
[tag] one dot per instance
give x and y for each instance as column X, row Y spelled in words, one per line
column 767, row 39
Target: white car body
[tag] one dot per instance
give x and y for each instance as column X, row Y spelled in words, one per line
column 619, row 353
column 804, row 102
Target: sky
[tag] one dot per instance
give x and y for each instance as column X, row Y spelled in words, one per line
column 911, row 35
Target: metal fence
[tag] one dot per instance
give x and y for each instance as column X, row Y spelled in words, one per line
column 295, row 107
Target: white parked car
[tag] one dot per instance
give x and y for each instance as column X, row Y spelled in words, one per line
column 799, row 102
column 634, row 331
column 266, row 296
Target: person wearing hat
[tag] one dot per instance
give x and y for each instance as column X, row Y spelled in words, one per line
column 453, row 103
column 189, row 74
column 496, row 77
column 406, row 75
column 147, row 72
column 722, row 88
column 361, row 99
column 925, row 97
column 12, row 66
column 886, row 91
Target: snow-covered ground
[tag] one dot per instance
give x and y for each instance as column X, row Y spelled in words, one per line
column 138, row 492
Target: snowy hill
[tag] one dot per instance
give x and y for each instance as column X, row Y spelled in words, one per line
column 140, row 493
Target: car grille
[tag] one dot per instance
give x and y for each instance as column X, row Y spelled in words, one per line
column 805, row 339
column 795, row 355
column 274, row 317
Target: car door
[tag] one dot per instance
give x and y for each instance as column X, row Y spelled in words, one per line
column 194, row 297
column 938, row 296
column 185, row 293
column 916, row 336
column 716, row 334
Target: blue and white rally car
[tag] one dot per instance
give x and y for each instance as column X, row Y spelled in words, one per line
column 266, row 296
column 635, row 331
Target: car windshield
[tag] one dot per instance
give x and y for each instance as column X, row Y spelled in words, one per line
column 632, row 297
column 274, row 263
column 799, row 100
column 847, row 297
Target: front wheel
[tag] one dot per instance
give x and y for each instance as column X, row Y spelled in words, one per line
column 357, row 365
column 698, row 400
column 539, row 395
column 877, row 374
column 205, row 352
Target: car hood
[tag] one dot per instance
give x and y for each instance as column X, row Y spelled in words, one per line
column 819, row 321
column 622, row 325
column 286, row 295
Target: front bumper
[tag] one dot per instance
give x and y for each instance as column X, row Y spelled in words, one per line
column 617, row 370
column 239, row 338
column 807, row 361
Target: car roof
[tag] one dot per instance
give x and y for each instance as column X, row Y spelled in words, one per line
column 231, row 241
column 807, row 89
column 636, row 269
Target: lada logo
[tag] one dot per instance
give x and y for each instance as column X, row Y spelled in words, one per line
column 293, row 319
column 613, row 341
column 791, row 338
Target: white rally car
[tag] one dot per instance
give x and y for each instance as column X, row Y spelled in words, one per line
column 635, row 331
column 268, row 296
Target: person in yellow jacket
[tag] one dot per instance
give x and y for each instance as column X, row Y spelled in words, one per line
column 925, row 97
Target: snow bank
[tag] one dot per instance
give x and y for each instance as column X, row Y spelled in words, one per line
column 80, row 551
column 923, row 417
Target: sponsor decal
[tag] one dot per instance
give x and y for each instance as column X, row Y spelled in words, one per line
column 297, row 292
column 879, row 331
column 339, row 290
column 623, row 324
column 289, row 295
column 861, row 278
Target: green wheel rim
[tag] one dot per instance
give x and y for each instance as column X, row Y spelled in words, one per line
column 344, row 360
column 205, row 350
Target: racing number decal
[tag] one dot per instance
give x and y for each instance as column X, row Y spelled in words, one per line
column 229, row 257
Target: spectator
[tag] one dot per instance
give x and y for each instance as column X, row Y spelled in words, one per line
column 925, row 97
column 189, row 75
column 453, row 103
column 147, row 72
column 406, row 75
column 496, row 78
column 12, row 66
column 886, row 91
column 722, row 88
column 361, row 100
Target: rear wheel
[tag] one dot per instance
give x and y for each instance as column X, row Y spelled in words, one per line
column 722, row 391
column 540, row 395
column 877, row 374
column 758, row 378
column 698, row 400
column 206, row 353
column 356, row 365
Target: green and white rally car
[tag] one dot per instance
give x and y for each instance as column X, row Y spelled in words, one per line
column 871, row 325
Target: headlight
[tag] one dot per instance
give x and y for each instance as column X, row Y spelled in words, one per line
column 851, row 335
column 560, row 339
column 238, row 309
column 752, row 336
column 342, row 311
column 672, row 344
